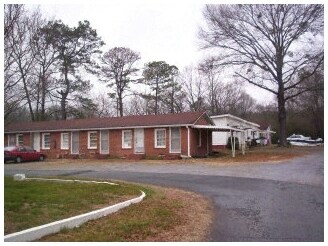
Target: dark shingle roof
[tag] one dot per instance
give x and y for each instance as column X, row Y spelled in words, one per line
column 188, row 118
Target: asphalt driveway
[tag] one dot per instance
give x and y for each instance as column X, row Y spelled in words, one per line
column 281, row 201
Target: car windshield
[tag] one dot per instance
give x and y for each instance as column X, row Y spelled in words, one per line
column 10, row 148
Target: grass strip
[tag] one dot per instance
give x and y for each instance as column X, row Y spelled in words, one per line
column 32, row 203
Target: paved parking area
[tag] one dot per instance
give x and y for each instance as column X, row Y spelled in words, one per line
column 304, row 170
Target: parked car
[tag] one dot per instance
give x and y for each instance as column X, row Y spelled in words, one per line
column 300, row 140
column 261, row 141
column 22, row 153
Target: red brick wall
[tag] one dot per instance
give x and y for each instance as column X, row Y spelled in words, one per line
column 115, row 145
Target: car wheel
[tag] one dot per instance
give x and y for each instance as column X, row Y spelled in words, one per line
column 41, row 158
column 18, row 159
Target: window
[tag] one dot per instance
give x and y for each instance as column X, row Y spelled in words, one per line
column 19, row 139
column 64, row 140
column 45, row 140
column 175, row 146
column 127, row 139
column 104, row 142
column 11, row 140
column 160, row 138
column 92, row 140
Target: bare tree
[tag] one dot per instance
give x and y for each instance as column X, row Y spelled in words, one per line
column 211, row 72
column 194, row 88
column 119, row 66
column 268, row 45
column 45, row 63
column 13, row 13
column 21, row 59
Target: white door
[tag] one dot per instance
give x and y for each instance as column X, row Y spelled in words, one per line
column 36, row 141
column 75, row 143
column 104, row 142
column 139, row 141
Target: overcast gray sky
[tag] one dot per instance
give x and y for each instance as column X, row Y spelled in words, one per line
column 158, row 30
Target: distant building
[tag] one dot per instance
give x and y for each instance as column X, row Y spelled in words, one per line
column 251, row 130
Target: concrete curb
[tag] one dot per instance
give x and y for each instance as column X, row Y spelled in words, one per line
column 54, row 227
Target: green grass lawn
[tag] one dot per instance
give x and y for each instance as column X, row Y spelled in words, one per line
column 164, row 215
column 33, row 203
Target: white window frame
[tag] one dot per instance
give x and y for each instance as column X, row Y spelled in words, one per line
column 155, row 138
column 43, row 140
column 124, row 145
column 89, row 140
column 62, row 146
column 17, row 139
column 174, row 152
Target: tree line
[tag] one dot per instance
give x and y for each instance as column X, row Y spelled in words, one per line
column 49, row 68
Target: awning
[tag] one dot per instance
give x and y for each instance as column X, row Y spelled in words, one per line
column 217, row 128
column 226, row 129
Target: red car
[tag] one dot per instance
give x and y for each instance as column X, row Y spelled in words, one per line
column 22, row 153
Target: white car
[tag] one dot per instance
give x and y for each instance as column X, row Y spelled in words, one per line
column 300, row 140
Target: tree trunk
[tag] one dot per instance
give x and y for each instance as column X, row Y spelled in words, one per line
column 120, row 103
column 63, row 106
column 156, row 98
column 282, row 118
column 43, row 97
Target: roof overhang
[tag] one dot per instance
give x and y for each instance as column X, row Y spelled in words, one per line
column 267, row 131
column 217, row 128
column 96, row 128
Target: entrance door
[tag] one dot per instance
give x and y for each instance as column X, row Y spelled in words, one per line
column 75, row 143
column 104, row 142
column 139, row 142
column 36, row 141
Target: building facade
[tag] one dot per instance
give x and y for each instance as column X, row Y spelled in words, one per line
column 250, row 131
column 155, row 136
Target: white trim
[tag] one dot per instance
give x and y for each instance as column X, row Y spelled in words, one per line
column 89, row 142
column 123, row 143
column 235, row 118
column 42, row 141
column 188, row 141
column 107, row 150
column 62, row 141
column 175, row 152
column 218, row 128
column 155, row 138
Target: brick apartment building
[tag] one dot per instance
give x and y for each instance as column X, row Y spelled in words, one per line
column 166, row 136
